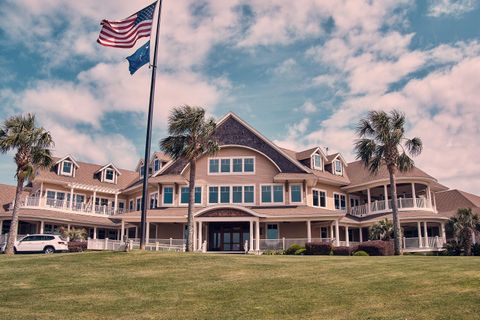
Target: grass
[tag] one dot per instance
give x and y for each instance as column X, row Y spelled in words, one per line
column 149, row 285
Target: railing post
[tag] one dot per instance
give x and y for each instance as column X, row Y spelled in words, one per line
column 156, row 246
column 106, row 244
column 283, row 243
column 404, row 243
column 171, row 242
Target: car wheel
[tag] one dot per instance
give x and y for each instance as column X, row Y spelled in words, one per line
column 49, row 250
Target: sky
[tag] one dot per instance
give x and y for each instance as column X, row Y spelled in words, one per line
column 301, row 72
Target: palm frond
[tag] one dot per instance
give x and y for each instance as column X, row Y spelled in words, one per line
column 414, row 146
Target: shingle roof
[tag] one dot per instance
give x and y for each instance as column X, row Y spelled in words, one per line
column 305, row 154
column 7, row 195
column 85, row 174
column 358, row 174
column 330, row 157
column 452, row 200
column 161, row 156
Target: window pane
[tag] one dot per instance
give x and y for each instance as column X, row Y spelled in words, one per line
column 248, row 194
column 237, row 165
column 248, row 165
column 67, row 167
column 317, row 161
column 198, row 194
column 337, row 201
column 224, row 194
column 60, row 196
column 213, row 194
column 109, row 175
column 296, row 193
column 213, row 165
column 184, row 195
column 168, row 195
column 237, row 194
column 315, row 198
column 266, row 194
column 272, row 231
column 343, row 201
column 141, row 170
column 338, row 166
column 225, row 165
column 50, row 194
column 323, row 199
column 277, row 193
column 156, row 165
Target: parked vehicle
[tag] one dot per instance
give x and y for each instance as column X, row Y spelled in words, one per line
column 46, row 243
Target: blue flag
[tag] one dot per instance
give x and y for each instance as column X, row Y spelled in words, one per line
column 139, row 58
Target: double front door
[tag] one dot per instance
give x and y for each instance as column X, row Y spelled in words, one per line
column 228, row 236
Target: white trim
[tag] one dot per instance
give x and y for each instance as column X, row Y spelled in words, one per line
column 107, row 166
column 312, row 162
column 173, row 195
column 272, row 193
column 230, row 186
column 319, row 202
column 104, row 175
column 346, row 204
column 240, row 208
column 230, row 172
column 72, row 168
column 68, row 156
column 301, row 193
column 334, row 167
column 181, row 204
column 155, row 194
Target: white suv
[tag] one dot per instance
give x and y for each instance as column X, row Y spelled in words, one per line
column 46, row 243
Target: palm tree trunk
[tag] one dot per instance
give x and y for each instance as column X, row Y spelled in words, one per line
column 397, row 244
column 12, row 235
column 191, row 202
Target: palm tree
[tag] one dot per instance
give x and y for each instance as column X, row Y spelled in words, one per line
column 191, row 136
column 33, row 145
column 465, row 225
column 381, row 142
column 382, row 230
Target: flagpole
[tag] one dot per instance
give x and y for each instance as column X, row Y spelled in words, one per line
column 146, row 163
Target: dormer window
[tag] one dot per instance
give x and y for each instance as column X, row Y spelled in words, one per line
column 157, row 165
column 67, row 169
column 338, row 168
column 142, row 168
column 109, row 175
column 317, row 162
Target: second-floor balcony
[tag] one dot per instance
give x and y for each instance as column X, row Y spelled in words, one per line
column 411, row 196
column 67, row 206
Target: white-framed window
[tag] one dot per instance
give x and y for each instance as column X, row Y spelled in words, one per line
column 273, row 231
column 231, row 165
column 153, row 200
column 67, row 168
column 317, row 162
column 296, row 191
column 338, row 167
column 319, row 198
column 109, row 175
column 354, row 202
column 139, row 204
column 185, row 193
column 272, row 194
column 168, row 195
column 157, row 165
column 236, row 194
column 130, row 205
column 142, row 168
column 340, row 201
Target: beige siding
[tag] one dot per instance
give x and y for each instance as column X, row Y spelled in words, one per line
column 330, row 190
column 169, row 230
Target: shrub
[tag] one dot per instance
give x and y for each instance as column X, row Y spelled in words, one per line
column 77, row 246
column 300, row 252
column 453, row 248
column 342, row 251
column 361, row 253
column 376, row 247
column 318, row 248
column 476, row 249
column 293, row 248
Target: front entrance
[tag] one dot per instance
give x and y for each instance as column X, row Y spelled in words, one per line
column 228, row 236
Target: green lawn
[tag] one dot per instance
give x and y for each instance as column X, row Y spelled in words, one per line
column 105, row 285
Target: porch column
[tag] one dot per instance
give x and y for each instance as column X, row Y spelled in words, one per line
column 368, row 200
column 42, row 227
column 136, row 232
column 429, row 198
column 443, row 233
column 194, row 235
column 331, row 231
column 68, row 227
column 1, row 226
column 147, row 232
column 347, row 238
column 257, row 235
column 426, row 233
column 337, row 233
column 251, row 236
column 200, row 238
column 41, row 195
column 385, row 190
column 414, row 195
column 94, row 232
column 71, row 199
column 94, row 200
column 115, row 205
column 309, row 231
column 419, row 228
column 122, row 230
column 361, row 234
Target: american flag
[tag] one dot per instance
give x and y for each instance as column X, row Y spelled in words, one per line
column 125, row 33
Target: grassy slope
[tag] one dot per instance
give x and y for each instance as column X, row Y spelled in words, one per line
column 174, row 286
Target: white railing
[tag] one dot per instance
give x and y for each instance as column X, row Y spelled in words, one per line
column 430, row 243
column 381, row 206
column 67, row 206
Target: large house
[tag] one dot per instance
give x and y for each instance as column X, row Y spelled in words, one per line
column 251, row 194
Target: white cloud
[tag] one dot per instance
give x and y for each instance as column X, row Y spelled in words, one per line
column 285, row 68
column 439, row 8
column 307, row 107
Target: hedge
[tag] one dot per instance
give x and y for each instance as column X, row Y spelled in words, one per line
column 77, row 246
column 318, row 248
column 376, row 247
column 342, row 251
